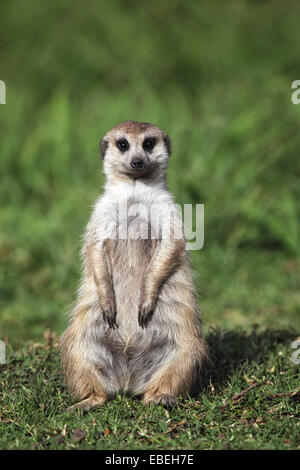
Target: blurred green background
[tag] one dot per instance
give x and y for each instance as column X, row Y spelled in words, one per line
column 217, row 77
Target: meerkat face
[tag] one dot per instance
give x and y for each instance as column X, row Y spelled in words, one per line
column 135, row 149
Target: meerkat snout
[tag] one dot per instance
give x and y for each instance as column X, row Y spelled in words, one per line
column 137, row 163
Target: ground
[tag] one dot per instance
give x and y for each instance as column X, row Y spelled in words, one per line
column 218, row 79
column 250, row 401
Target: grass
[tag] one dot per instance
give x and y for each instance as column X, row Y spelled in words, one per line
column 218, row 79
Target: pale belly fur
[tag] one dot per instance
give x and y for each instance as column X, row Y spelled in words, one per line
column 129, row 355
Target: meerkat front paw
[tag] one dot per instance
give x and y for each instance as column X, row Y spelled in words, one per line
column 109, row 313
column 146, row 311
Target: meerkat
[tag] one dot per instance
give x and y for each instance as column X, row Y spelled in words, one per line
column 135, row 327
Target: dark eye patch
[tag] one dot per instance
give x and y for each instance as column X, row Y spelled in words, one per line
column 123, row 145
column 149, row 143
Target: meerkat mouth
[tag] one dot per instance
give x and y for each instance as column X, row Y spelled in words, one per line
column 137, row 172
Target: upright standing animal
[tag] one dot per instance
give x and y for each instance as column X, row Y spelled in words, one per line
column 135, row 327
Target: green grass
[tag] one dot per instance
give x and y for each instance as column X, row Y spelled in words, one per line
column 217, row 77
column 33, row 414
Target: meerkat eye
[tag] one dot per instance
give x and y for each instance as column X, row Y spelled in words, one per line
column 149, row 143
column 122, row 145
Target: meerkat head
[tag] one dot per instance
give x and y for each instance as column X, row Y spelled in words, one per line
column 135, row 150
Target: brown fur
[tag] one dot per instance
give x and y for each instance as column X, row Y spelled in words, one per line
column 135, row 327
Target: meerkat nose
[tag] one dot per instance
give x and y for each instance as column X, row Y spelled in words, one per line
column 137, row 163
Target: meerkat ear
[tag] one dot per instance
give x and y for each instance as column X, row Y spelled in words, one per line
column 167, row 142
column 103, row 147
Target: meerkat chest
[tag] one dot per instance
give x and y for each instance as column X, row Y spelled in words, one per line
column 138, row 219
column 139, row 215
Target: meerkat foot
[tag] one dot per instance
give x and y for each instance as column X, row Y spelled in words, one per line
column 168, row 401
column 88, row 403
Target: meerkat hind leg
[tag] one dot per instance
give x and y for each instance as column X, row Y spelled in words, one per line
column 174, row 379
column 82, row 377
column 88, row 403
column 166, row 386
column 160, row 394
column 166, row 400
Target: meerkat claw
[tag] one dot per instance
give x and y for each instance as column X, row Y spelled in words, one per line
column 109, row 319
column 145, row 315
